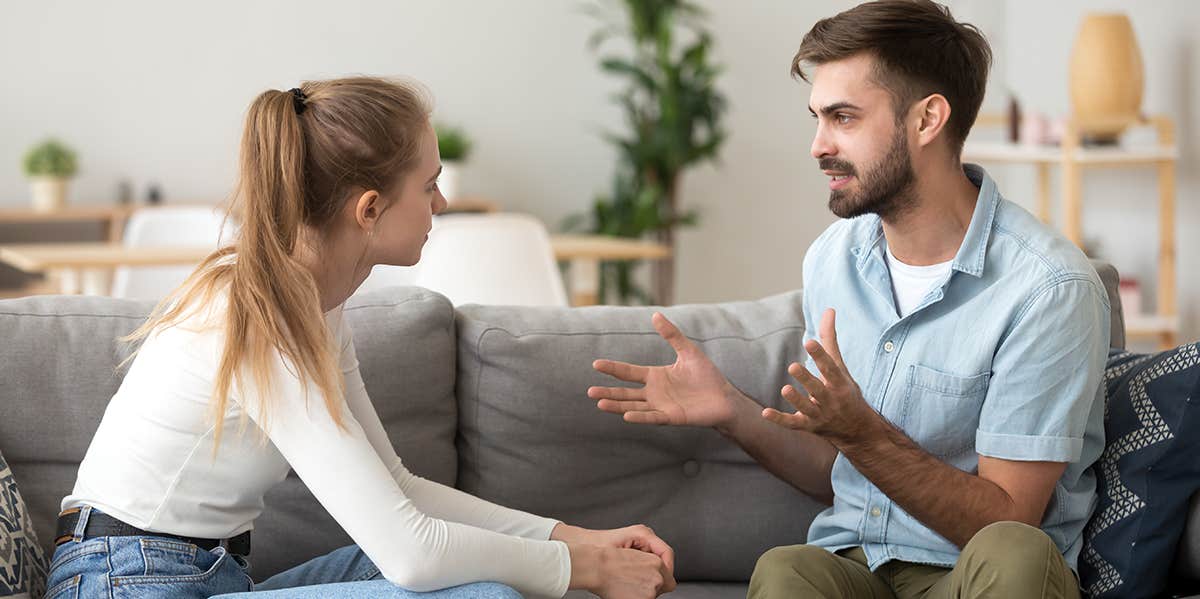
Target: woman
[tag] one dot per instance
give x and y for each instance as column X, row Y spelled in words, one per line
column 336, row 177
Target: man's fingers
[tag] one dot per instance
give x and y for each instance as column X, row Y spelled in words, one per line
column 622, row 370
column 800, row 401
column 828, row 331
column 620, row 407
column 830, row 368
column 667, row 330
column 798, row 422
column 646, row 417
column 812, row 384
column 621, row 393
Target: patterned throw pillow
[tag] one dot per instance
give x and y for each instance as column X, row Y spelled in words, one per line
column 1147, row 472
column 22, row 563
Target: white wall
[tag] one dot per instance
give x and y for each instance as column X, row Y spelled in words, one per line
column 1120, row 206
column 156, row 92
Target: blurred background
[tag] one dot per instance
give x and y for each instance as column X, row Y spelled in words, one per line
column 149, row 97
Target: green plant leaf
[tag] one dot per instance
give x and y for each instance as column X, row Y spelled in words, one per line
column 50, row 158
column 453, row 143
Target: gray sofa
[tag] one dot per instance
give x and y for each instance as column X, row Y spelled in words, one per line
column 490, row 399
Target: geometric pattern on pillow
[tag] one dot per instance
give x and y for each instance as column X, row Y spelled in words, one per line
column 22, row 564
column 1143, row 438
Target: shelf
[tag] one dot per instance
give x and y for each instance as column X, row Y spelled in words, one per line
column 1149, row 325
column 1096, row 156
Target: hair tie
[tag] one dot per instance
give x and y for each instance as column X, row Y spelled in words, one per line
column 298, row 99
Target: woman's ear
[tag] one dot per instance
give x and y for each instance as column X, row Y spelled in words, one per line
column 934, row 112
column 367, row 209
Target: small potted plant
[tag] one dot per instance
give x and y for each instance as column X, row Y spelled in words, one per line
column 454, row 146
column 49, row 165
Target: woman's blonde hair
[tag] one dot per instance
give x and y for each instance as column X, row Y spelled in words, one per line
column 304, row 153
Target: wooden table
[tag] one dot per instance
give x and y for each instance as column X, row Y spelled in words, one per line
column 84, row 267
column 112, row 216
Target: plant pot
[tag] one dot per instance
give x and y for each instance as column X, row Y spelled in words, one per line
column 1106, row 77
column 448, row 181
column 49, row 193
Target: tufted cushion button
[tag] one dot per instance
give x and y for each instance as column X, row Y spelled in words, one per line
column 691, row 468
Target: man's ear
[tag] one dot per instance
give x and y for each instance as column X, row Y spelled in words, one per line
column 367, row 209
column 933, row 112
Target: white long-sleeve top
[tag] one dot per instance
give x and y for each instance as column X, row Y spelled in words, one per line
column 151, row 465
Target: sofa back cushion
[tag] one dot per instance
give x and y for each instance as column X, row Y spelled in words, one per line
column 530, row 438
column 59, row 364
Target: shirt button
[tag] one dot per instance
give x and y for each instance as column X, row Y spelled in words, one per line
column 875, row 512
column 889, row 346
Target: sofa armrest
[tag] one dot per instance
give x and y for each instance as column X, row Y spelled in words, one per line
column 1110, row 278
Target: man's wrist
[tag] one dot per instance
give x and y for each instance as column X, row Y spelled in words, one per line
column 744, row 409
column 870, row 437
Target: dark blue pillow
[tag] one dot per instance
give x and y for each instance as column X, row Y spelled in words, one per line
column 1147, row 473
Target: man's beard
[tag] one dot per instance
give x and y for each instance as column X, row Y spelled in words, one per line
column 885, row 190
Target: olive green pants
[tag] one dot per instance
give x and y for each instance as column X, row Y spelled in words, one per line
column 1005, row 559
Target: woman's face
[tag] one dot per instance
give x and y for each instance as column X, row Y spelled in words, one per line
column 403, row 228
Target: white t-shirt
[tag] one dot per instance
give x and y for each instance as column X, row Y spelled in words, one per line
column 151, row 465
column 910, row 284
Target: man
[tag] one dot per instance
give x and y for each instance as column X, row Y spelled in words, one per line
column 950, row 410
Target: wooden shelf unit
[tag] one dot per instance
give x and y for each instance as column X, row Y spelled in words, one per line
column 1073, row 157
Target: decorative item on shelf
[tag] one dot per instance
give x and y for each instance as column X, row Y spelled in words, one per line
column 154, row 194
column 49, row 165
column 1106, row 77
column 1130, row 291
column 1038, row 129
column 1014, row 119
column 673, row 111
column 454, row 146
column 124, row 192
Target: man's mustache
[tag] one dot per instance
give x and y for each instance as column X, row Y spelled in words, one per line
column 833, row 164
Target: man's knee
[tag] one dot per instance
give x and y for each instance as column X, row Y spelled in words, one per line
column 794, row 570
column 1014, row 540
column 1012, row 559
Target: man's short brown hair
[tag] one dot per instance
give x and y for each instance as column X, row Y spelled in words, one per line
column 919, row 49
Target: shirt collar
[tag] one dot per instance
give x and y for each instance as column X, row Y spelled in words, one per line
column 972, row 254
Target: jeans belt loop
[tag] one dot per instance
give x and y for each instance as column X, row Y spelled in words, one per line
column 85, row 513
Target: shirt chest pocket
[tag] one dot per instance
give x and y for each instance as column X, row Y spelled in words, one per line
column 941, row 410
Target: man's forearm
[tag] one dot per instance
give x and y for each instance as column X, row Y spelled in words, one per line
column 801, row 459
column 953, row 503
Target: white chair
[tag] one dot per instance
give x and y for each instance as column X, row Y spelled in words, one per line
column 191, row 226
column 499, row 259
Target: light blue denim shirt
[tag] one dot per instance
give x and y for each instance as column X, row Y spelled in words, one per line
column 1003, row 358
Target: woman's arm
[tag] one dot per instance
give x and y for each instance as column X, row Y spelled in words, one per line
column 411, row 548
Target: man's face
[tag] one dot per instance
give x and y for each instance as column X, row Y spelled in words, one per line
column 859, row 142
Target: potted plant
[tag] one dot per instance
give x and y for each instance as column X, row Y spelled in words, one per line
column 673, row 112
column 49, row 165
column 453, row 146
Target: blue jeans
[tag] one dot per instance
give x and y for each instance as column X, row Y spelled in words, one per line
column 150, row 567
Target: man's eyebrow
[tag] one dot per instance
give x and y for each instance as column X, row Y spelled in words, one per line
column 836, row 106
